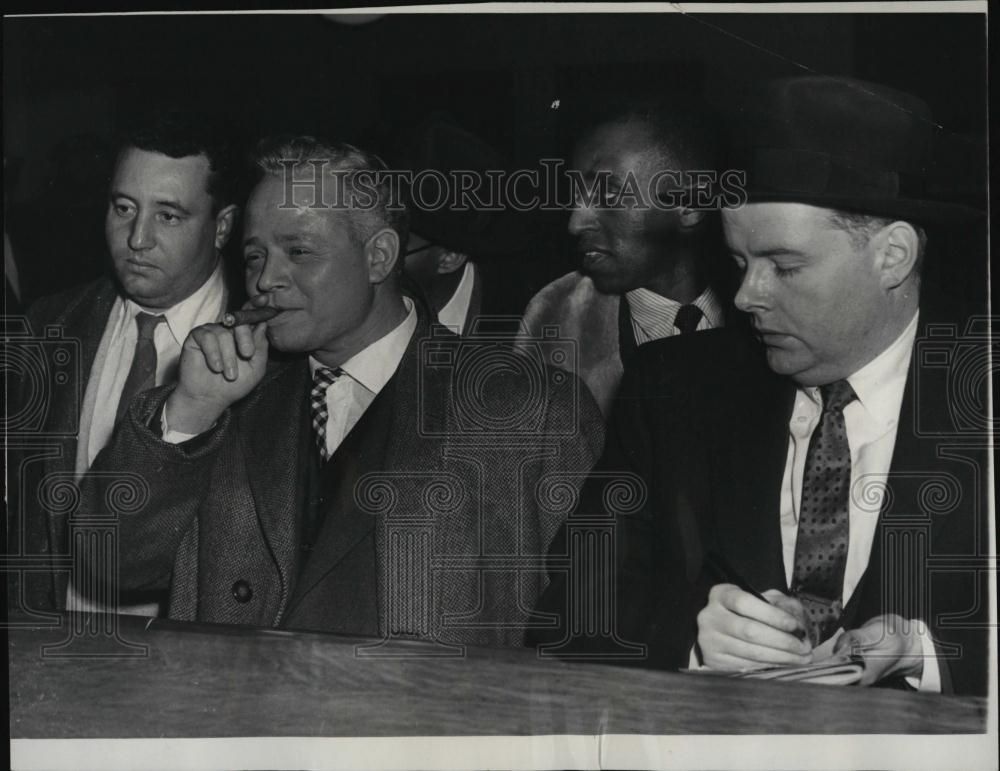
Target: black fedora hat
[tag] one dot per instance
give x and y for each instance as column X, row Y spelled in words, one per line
column 440, row 144
column 843, row 143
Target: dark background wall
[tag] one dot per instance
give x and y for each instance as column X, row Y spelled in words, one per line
column 69, row 83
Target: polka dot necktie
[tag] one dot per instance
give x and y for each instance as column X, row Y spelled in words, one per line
column 687, row 319
column 821, row 545
column 142, row 374
column 323, row 378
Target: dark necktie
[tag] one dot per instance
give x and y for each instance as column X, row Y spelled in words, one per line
column 323, row 378
column 824, row 526
column 142, row 374
column 687, row 318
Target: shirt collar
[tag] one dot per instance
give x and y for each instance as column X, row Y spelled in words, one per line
column 372, row 367
column 453, row 314
column 201, row 307
column 879, row 385
column 646, row 305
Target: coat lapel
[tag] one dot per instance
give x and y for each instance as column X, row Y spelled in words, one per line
column 344, row 562
column 83, row 321
column 475, row 303
column 275, row 435
column 344, row 525
column 752, row 448
column 914, row 463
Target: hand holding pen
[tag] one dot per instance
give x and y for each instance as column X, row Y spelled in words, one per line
column 744, row 628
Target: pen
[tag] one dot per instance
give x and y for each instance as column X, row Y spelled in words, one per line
column 718, row 565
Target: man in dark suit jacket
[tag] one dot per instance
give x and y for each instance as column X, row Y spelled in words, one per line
column 376, row 479
column 772, row 513
column 171, row 210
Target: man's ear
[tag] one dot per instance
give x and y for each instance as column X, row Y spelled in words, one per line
column 449, row 261
column 382, row 251
column 897, row 249
column 224, row 222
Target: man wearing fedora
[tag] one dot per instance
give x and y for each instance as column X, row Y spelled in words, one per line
column 466, row 258
column 646, row 270
column 823, row 474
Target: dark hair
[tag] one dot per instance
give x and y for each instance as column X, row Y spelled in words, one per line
column 861, row 227
column 182, row 134
column 276, row 155
column 683, row 125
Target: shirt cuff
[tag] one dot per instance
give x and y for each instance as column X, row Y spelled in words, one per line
column 171, row 436
column 930, row 679
column 694, row 662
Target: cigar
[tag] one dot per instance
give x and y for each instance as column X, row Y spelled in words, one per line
column 248, row 316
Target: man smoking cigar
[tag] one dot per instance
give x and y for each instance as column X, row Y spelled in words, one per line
column 290, row 491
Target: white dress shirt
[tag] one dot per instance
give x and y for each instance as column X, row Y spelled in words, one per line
column 203, row 307
column 110, row 371
column 364, row 376
column 871, row 421
column 653, row 314
column 455, row 312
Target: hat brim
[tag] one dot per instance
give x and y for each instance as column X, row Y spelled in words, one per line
column 920, row 212
column 503, row 238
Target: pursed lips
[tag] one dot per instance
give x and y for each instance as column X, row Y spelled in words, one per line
column 141, row 265
column 772, row 336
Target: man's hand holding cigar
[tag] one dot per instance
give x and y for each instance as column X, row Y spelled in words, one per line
column 220, row 364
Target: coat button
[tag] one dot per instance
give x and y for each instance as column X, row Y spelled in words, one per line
column 242, row 591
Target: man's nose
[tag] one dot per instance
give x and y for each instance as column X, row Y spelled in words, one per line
column 581, row 218
column 140, row 237
column 272, row 276
column 753, row 293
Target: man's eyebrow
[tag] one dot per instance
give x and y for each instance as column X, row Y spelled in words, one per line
column 292, row 238
column 168, row 203
column 778, row 251
column 596, row 174
column 172, row 205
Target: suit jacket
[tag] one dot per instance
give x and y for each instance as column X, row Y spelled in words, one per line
column 439, row 520
column 67, row 328
column 600, row 322
column 702, row 429
column 65, row 332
